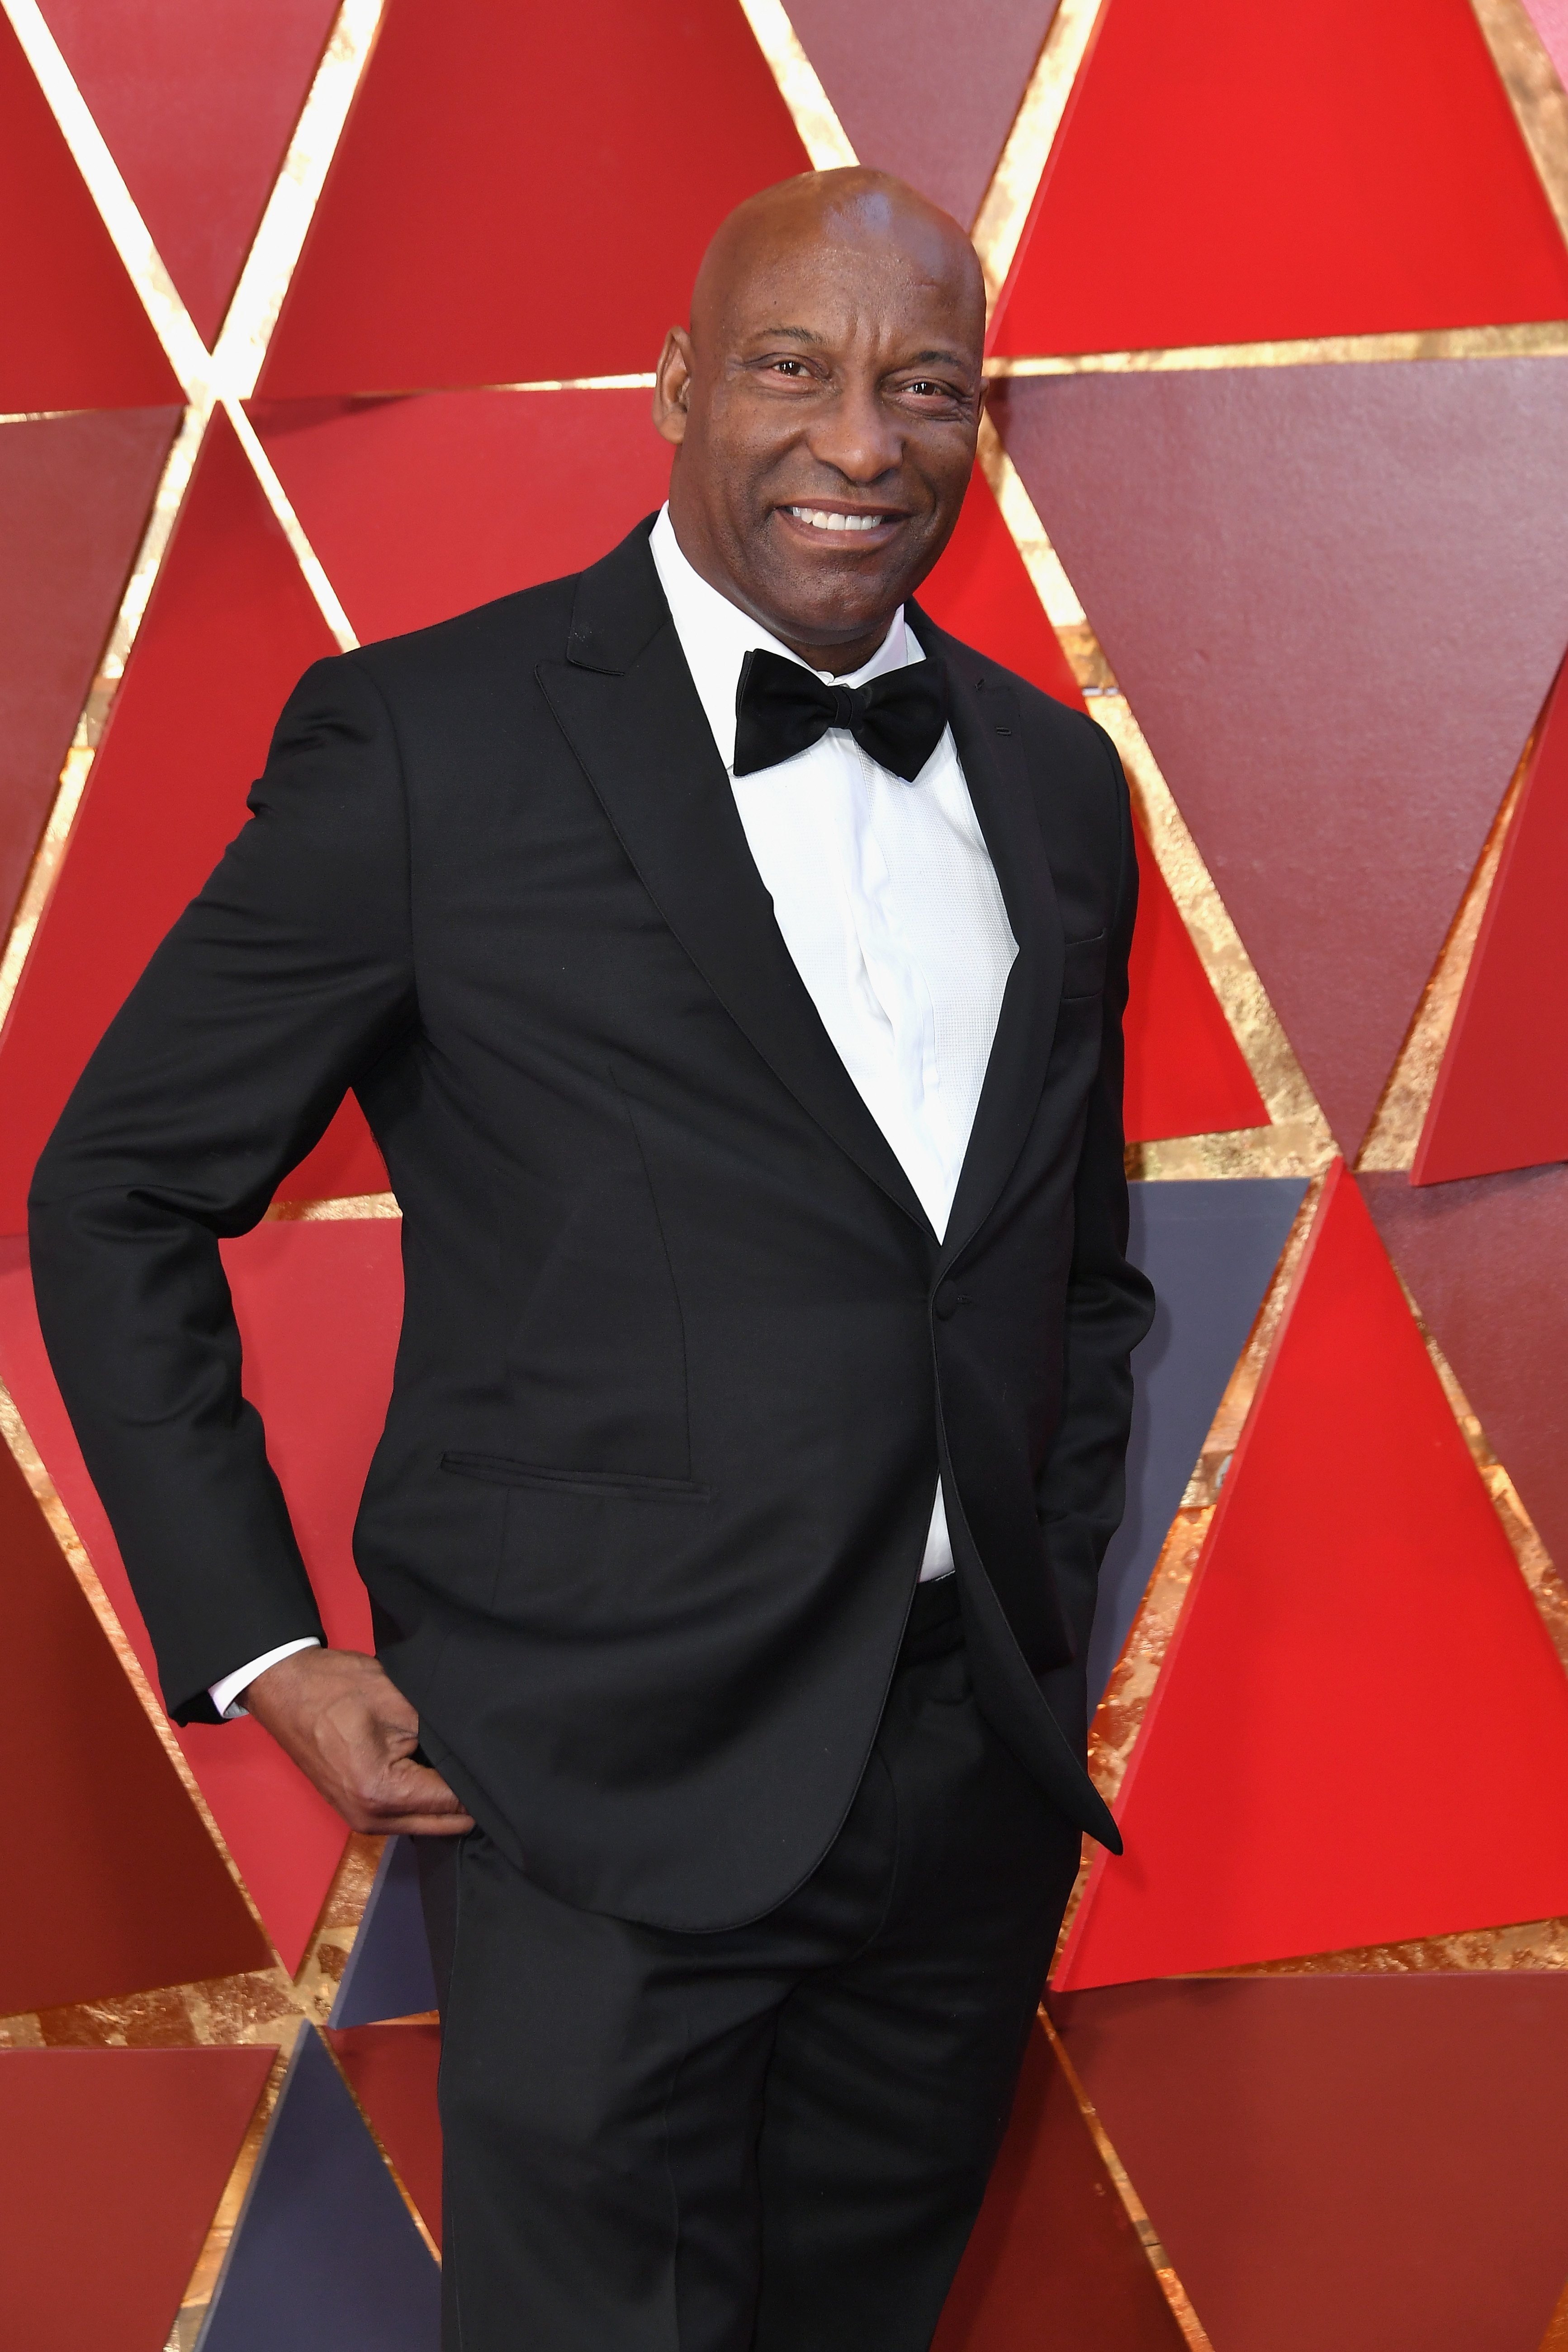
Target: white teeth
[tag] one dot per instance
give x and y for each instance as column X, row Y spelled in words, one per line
column 820, row 519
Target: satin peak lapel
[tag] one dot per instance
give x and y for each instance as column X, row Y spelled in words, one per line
column 985, row 729
column 625, row 700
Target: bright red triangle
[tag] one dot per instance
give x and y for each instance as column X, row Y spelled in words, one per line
column 526, row 192
column 1500, row 1100
column 420, row 509
column 75, row 334
column 1186, row 1073
column 111, row 2166
column 319, row 1308
column 1322, row 170
column 229, row 629
column 197, row 99
column 1361, row 1731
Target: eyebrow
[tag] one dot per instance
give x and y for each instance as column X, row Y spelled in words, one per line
column 915, row 359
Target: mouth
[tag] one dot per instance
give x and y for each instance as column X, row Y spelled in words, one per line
column 842, row 526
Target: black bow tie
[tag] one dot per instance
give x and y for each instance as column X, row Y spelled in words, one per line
column 781, row 708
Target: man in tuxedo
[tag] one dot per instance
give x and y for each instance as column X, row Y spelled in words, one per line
column 730, row 967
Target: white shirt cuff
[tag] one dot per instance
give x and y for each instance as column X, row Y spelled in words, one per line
column 225, row 1694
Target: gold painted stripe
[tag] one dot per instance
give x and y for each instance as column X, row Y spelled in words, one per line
column 320, row 1212
column 643, row 383
column 1534, row 91
column 1148, row 2237
column 305, row 555
column 1004, row 209
column 1298, row 1143
column 1535, row 338
column 41, row 416
column 270, row 265
column 812, row 110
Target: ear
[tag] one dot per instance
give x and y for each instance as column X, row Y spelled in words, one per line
column 672, row 385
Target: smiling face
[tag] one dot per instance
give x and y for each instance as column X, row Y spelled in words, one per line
column 824, row 403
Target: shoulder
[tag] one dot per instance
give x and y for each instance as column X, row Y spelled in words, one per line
column 504, row 638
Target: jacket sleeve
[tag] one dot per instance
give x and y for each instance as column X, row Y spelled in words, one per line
column 1082, row 1487
column 278, row 987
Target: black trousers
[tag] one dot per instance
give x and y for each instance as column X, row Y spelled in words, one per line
column 774, row 2139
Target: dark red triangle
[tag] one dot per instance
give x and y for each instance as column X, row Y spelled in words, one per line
column 1053, row 2258
column 1501, row 1099
column 197, row 101
column 109, row 1881
column 1314, row 538
column 916, row 101
column 1374, row 2163
column 1360, row 1734
column 229, row 629
column 111, row 2166
column 76, row 333
column 506, row 203
column 1332, row 170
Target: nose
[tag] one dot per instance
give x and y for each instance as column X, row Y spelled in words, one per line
column 856, row 435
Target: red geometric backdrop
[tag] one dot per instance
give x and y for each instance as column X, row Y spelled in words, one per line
column 324, row 322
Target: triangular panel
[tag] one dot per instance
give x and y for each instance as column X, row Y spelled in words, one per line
column 1360, row 1734
column 318, row 1306
column 1374, row 2163
column 196, row 99
column 1332, row 170
column 74, row 497
column 76, row 333
column 1284, row 565
column 568, row 230
column 393, row 2068
column 1502, row 1097
column 1210, row 1251
column 1054, row 2257
column 420, row 509
column 917, row 101
column 325, row 2255
column 230, row 627
column 112, row 2164
column 388, row 1972
column 109, row 1881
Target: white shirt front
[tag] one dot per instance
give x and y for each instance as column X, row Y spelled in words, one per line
column 889, row 904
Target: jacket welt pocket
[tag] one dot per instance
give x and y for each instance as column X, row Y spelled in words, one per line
column 505, row 1470
column 1083, row 967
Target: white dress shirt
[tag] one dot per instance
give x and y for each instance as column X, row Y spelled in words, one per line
column 889, row 904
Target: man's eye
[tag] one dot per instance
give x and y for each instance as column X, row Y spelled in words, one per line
column 794, row 366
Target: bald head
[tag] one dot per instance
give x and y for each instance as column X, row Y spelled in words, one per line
column 839, row 216
column 823, row 403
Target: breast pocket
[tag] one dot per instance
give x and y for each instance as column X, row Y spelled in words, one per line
column 1083, row 968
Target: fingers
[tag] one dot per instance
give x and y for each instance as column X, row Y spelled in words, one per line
column 404, row 1797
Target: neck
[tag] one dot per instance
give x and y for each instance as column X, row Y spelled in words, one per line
column 837, row 656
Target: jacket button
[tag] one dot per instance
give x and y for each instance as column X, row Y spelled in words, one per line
column 945, row 1303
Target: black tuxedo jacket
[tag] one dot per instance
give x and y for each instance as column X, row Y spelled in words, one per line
column 681, row 1355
